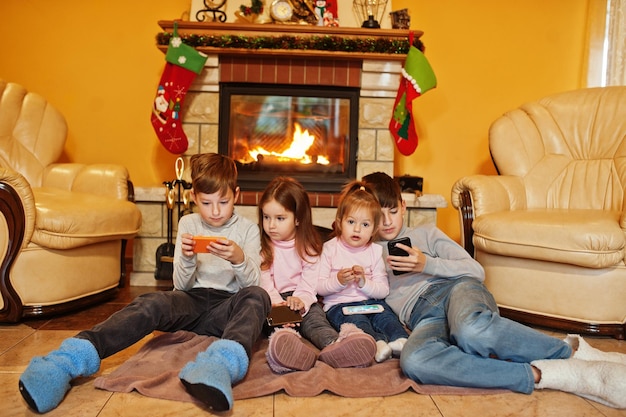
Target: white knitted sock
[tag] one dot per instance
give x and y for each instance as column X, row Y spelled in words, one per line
column 603, row 382
column 397, row 345
column 383, row 351
column 584, row 351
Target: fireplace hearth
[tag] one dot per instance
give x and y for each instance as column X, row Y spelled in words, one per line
column 306, row 132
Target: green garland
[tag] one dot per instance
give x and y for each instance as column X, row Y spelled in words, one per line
column 316, row 43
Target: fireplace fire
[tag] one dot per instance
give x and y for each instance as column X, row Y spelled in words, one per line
column 307, row 132
column 297, row 152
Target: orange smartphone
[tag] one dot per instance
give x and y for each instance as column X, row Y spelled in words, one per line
column 203, row 241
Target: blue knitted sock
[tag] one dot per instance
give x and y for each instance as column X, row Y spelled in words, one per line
column 211, row 376
column 47, row 378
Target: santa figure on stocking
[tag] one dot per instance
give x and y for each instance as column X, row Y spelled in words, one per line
column 182, row 66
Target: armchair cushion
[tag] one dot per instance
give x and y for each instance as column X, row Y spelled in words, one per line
column 587, row 238
column 67, row 219
column 83, row 204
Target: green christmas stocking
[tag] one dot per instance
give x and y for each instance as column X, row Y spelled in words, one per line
column 417, row 78
column 182, row 66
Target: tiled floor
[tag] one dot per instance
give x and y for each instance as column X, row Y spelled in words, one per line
column 18, row 343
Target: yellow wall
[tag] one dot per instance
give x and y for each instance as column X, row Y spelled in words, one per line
column 97, row 62
column 489, row 56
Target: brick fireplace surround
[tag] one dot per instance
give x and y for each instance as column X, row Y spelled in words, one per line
column 377, row 76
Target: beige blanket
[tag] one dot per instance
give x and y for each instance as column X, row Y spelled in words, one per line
column 153, row 372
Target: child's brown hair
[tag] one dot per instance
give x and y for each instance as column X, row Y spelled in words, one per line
column 386, row 189
column 290, row 194
column 213, row 172
column 356, row 195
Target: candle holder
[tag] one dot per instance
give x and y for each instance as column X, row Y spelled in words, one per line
column 370, row 12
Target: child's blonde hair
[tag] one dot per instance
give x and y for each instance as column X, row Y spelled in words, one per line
column 213, row 172
column 357, row 195
column 290, row 194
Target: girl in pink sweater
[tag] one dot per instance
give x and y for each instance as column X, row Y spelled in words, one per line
column 290, row 250
column 353, row 273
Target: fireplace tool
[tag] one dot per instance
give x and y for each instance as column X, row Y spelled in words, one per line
column 174, row 191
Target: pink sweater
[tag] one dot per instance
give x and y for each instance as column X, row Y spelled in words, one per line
column 289, row 272
column 337, row 255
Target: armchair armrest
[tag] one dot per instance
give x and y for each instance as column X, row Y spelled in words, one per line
column 16, row 199
column 17, row 206
column 476, row 195
column 102, row 179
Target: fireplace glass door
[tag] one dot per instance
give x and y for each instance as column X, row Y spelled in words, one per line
column 307, row 132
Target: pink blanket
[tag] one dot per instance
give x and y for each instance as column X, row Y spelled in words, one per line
column 153, row 372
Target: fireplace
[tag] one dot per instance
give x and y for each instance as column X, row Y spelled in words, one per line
column 306, row 132
column 376, row 75
column 367, row 80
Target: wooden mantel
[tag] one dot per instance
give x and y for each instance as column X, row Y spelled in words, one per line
column 186, row 28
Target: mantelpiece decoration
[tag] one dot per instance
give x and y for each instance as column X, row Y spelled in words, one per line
column 292, row 40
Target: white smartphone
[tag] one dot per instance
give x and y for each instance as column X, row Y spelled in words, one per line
column 363, row 309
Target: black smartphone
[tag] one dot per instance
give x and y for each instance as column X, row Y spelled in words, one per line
column 396, row 251
column 280, row 315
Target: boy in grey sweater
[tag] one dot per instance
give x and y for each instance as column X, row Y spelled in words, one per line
column 457, row 335
column 216, row 293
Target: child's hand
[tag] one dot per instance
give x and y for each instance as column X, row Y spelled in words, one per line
column 295, row 304
column 345, row 276
column 227, row 250
column 359, row 275
column 415, row 262
column 187, row 244
column 286, row 303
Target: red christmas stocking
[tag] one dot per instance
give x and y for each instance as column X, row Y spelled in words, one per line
column 401, row 124
column 417, row 78
column 183, row 64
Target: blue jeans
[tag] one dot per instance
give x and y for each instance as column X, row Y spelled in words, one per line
column 205, row 311
column 381, row 326
column 458, row 338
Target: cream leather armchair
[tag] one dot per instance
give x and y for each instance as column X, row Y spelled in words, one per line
column 550, row 228
column 63, row 226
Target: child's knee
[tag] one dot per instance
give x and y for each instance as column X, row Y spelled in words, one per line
column 259, row 296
